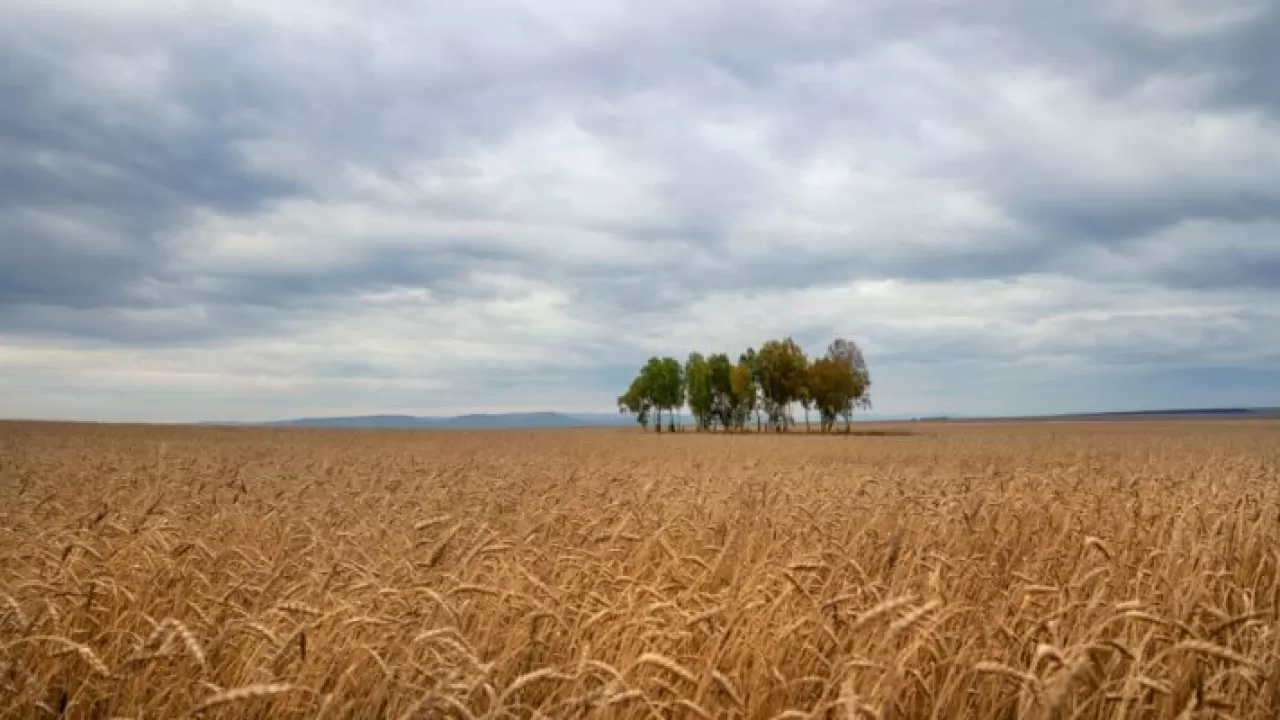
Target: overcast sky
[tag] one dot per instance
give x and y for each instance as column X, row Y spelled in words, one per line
column 227, row 210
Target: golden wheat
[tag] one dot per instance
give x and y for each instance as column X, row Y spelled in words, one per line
column 1090, row 570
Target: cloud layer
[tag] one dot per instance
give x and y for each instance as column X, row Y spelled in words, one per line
column 223, row 210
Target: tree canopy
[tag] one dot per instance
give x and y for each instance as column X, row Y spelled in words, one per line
column 697, row 378
column 769, row 382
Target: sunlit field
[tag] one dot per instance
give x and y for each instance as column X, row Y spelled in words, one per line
column 1090, row 570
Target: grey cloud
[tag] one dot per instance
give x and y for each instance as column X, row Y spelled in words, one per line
column 88, row 190
column 252, row 303
column 1227, row 267
column 181, row 323
column 1117, row 62
column 1254, row 53
column 1118, row 57
column 1025, row 175
column 1229, row 271
column 698, row 134
column 380, row 115
column 1107, row 220
column 445, row 272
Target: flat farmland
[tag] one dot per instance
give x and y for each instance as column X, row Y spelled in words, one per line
column 1049, row 570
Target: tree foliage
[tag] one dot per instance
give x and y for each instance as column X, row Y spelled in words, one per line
column 849, row 355
column 833, row 389
column 636, row 401
column 660, row 386
column 742, row 381
column 781, row 369
column 769, row 382
column 671, row 390
column 723, row 400
column 697, row 378
column 750, row 361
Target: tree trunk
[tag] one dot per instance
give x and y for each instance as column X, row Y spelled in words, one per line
column 807, row 428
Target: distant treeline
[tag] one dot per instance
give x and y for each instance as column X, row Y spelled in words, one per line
column 764, row 385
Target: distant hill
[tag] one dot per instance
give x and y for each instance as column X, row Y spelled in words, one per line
column 478, row 421
column 475, row 421
column 532, row 420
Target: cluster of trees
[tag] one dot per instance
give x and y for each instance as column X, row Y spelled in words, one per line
column 765, row 384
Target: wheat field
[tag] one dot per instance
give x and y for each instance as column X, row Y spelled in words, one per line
column 1125, row 570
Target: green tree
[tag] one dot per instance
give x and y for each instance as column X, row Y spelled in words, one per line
column 671, row 388
column 635, row 402
column 751, row 361
column 697, row 379
column 782, row 366
column 833, row 389
column 744, row 394
column 652, row 386
column 768, row 381
column 850, row 357
column 723, row 403
column 806, row 399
